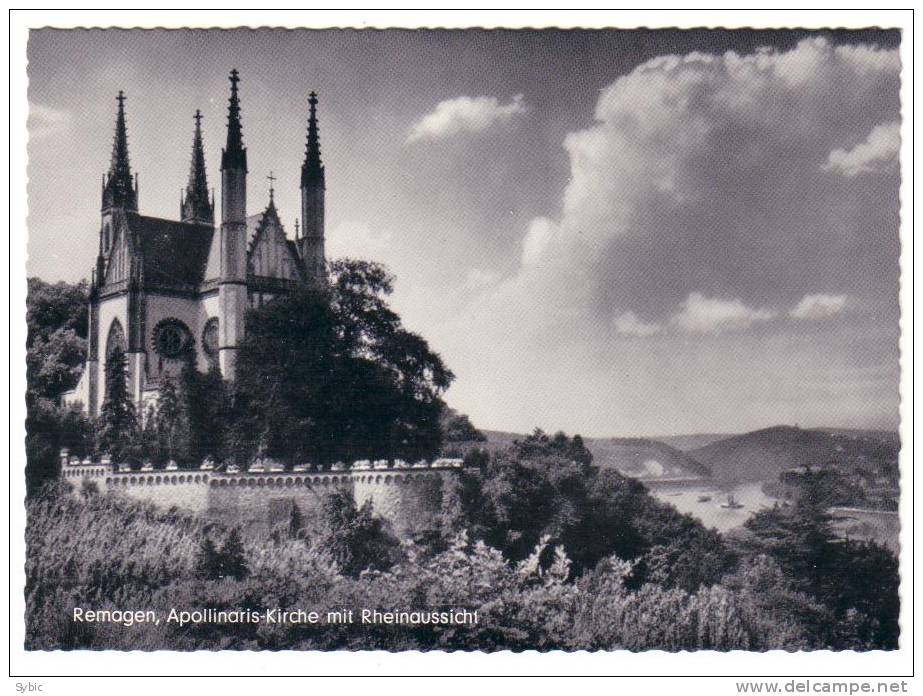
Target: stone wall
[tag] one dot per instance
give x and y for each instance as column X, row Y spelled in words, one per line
column 408, row 497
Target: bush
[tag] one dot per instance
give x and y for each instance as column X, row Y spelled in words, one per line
column 212, row 563
column 107, row 552
column 353, row 537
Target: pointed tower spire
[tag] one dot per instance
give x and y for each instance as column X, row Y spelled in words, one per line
column 196, row 206
column 119, row 191
column 312, row 171
column 311, row 242
column 234, row 155
column 232, row 240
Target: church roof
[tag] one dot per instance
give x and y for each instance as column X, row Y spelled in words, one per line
column 270, row 216
column 254, row 222
column 175, row 253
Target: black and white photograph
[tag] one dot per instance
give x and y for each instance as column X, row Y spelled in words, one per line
column 510, row 339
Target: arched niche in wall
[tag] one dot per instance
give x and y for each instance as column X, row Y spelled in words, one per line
column 115, row 339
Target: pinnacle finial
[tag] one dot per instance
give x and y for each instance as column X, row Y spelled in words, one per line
column 119, row 190
column 234, row 155
column 196, row 206
column 312, row 171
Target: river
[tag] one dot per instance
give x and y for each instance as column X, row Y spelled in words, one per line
column 876, row 525
column 685, row 496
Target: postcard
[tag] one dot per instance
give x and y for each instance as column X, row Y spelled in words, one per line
column 436, row 340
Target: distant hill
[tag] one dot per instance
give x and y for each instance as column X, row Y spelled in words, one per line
column 644, row 458
column 763, row 454
column 636, row 457
column 499, row 439
column 686, row 443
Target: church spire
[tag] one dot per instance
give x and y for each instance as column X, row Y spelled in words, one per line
column 311, row 242
column 196, row 207
column 234, row 155
column 119, row 191
column 312, row 171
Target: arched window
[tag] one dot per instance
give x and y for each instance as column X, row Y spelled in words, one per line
column 107, row 237
column 115, row 341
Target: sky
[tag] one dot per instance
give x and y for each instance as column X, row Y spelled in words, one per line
column 616, row 233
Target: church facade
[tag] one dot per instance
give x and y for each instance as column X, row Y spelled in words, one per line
column 162, row 288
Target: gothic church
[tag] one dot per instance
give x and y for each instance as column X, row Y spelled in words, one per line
column 162, row 287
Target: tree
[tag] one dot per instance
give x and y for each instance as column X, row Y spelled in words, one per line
column 207, row 412
column 49, row 428
column 354, row 537
column 232, row 559
column 190, row 416
column 54, row 362
column 212, row 563
column 539, row 445
column 172, row 426
column 206, row 563
column 692, row 558
column 56, row 318
column 858, row 581
column 332, row 375
column 117, row 431
column 457, row 427
column 52, row 307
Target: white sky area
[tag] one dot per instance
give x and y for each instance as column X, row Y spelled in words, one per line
column 611, row 233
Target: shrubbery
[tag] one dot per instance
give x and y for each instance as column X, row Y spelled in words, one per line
column 637, row 575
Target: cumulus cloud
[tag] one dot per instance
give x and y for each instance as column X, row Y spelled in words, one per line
column 700, row 314
column 465, row 115
column 44, row 121
column 628, row 324
column 818, row 306
column 537, row 239
column 696, row 200
column 701, row 174
column 877, row 151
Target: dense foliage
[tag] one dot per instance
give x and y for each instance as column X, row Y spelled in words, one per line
column 106, row 552
column 858, row 582
column 327, row 376
column 56, row 345
column 457, row 427
column 118, row 424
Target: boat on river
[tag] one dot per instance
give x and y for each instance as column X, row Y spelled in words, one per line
column 732, row 504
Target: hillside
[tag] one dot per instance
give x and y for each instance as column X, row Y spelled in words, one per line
column 763, row 454
column 644, row 458
column 636, row 457
column 687, row 443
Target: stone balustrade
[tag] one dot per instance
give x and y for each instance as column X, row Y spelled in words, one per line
column 399, row 491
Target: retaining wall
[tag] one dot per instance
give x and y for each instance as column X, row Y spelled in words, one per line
column 410, row 498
